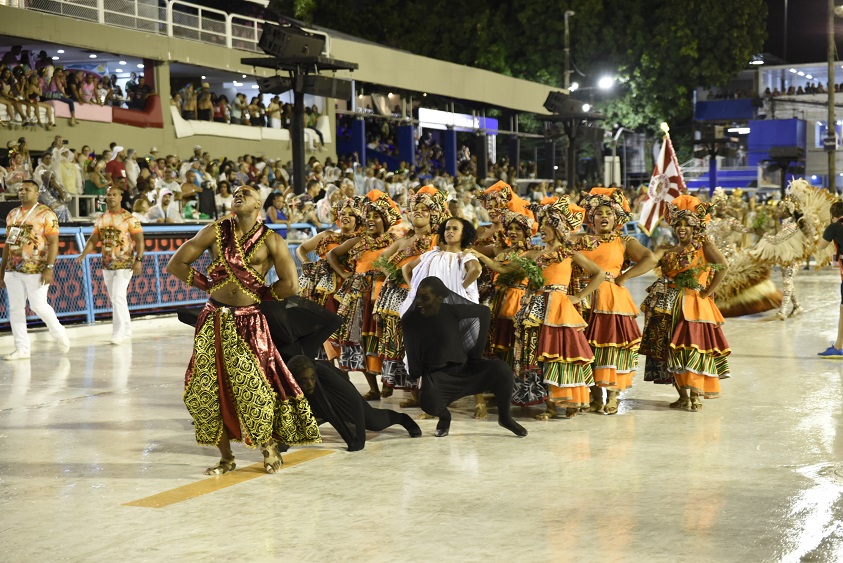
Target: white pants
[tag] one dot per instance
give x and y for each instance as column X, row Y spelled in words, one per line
column 21, row 287
column 117, row 284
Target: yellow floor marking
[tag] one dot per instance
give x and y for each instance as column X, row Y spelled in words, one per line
column 212, row 484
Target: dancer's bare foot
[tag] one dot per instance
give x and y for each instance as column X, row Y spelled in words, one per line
column 480, row 410
column 272, row 461
column 224, row 466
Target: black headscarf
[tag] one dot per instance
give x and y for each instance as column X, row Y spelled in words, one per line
column 449, row 338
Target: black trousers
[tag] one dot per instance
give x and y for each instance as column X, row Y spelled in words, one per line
column 441, row 388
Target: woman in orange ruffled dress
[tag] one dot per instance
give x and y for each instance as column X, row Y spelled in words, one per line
column 612, row 332
column 683, row 338
column 426, row 209
column 358, row 335
column 549, row 335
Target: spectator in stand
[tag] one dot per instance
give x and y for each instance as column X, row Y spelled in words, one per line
column 166, row 211
column 105, row 94
column 239, row 109
column 58, row 91
column 132, row 168
column 314, row 190
column 222, row 110
column 223, row 199
column 256, row 116
column 118, row 97
column 274, row 206
column 88, row 89
column 142, row 92
column 140, row 209
column 115, row 167
column 188, row 109
column 273, row 112
column 131, row 84
column 35, row 95
column 12, row 57
column 74, row 86
column 204, row 105
column 7, row 99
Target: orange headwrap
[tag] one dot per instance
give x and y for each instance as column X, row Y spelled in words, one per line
column 689, row 208
column 609, row 197
column 383, row 204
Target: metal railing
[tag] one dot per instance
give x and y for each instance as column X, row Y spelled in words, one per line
column 179, row 19
column 78, row 290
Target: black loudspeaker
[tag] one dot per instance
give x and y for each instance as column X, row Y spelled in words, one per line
column 327, row 87
column 555, row 102
column 274, row 85
column 288, row 42
column 787, row 152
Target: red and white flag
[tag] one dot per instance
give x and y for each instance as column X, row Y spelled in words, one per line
column 666, row 184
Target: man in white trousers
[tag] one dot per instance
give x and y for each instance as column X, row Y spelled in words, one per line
column 122, row 255
column 29, row 256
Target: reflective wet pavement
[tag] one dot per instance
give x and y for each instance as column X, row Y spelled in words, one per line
column 756, row 476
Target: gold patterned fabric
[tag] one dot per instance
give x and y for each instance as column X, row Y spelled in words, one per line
column 237, row 383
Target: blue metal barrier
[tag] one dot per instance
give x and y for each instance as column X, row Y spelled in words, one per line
column 78, row 290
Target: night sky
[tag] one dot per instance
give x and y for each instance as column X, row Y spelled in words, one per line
column 807, row 38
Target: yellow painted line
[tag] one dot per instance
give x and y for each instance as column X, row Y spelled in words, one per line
column 211, row 484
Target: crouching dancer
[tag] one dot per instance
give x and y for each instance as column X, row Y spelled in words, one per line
column 237, row 386
column 335, row 400
column 444, row 338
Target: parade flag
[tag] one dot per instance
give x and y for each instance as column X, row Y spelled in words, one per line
column 666, row 184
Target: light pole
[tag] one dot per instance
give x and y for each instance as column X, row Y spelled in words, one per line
column 621, row 131
column 568, row 14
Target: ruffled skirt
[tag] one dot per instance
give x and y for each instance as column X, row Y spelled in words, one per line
column 559, row 349
column 614, row 337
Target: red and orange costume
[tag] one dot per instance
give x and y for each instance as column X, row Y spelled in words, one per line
column 236, row 381
column 683, row 338
column 549, row 330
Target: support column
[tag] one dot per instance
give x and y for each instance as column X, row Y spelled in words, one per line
column 358, row 139
column 407, row 144
column 450, row 147
column 712, row 172
column 514, row 153
column 549, row 170
column 482, row 153
column 297, row 136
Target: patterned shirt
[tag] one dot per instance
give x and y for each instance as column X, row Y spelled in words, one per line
column 115, row 231
column 28, row 245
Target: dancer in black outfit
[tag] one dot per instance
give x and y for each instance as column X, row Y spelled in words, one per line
column 334, row 399
column 444, row 337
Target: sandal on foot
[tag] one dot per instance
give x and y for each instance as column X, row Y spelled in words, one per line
column 547, row 415
column 224, row 466
column 681, row 403
column 372, row 395
column 571, row 413
column 425, row 416
column 696, row 404
column 612, row 404
column 409, row 403
column 386, row 392
column 480, row 411
column 596, row 407
column 272, row 461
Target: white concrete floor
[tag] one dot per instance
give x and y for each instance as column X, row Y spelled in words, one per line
column 756, row 476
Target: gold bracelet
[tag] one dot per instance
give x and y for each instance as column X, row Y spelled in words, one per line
column 190, row 276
